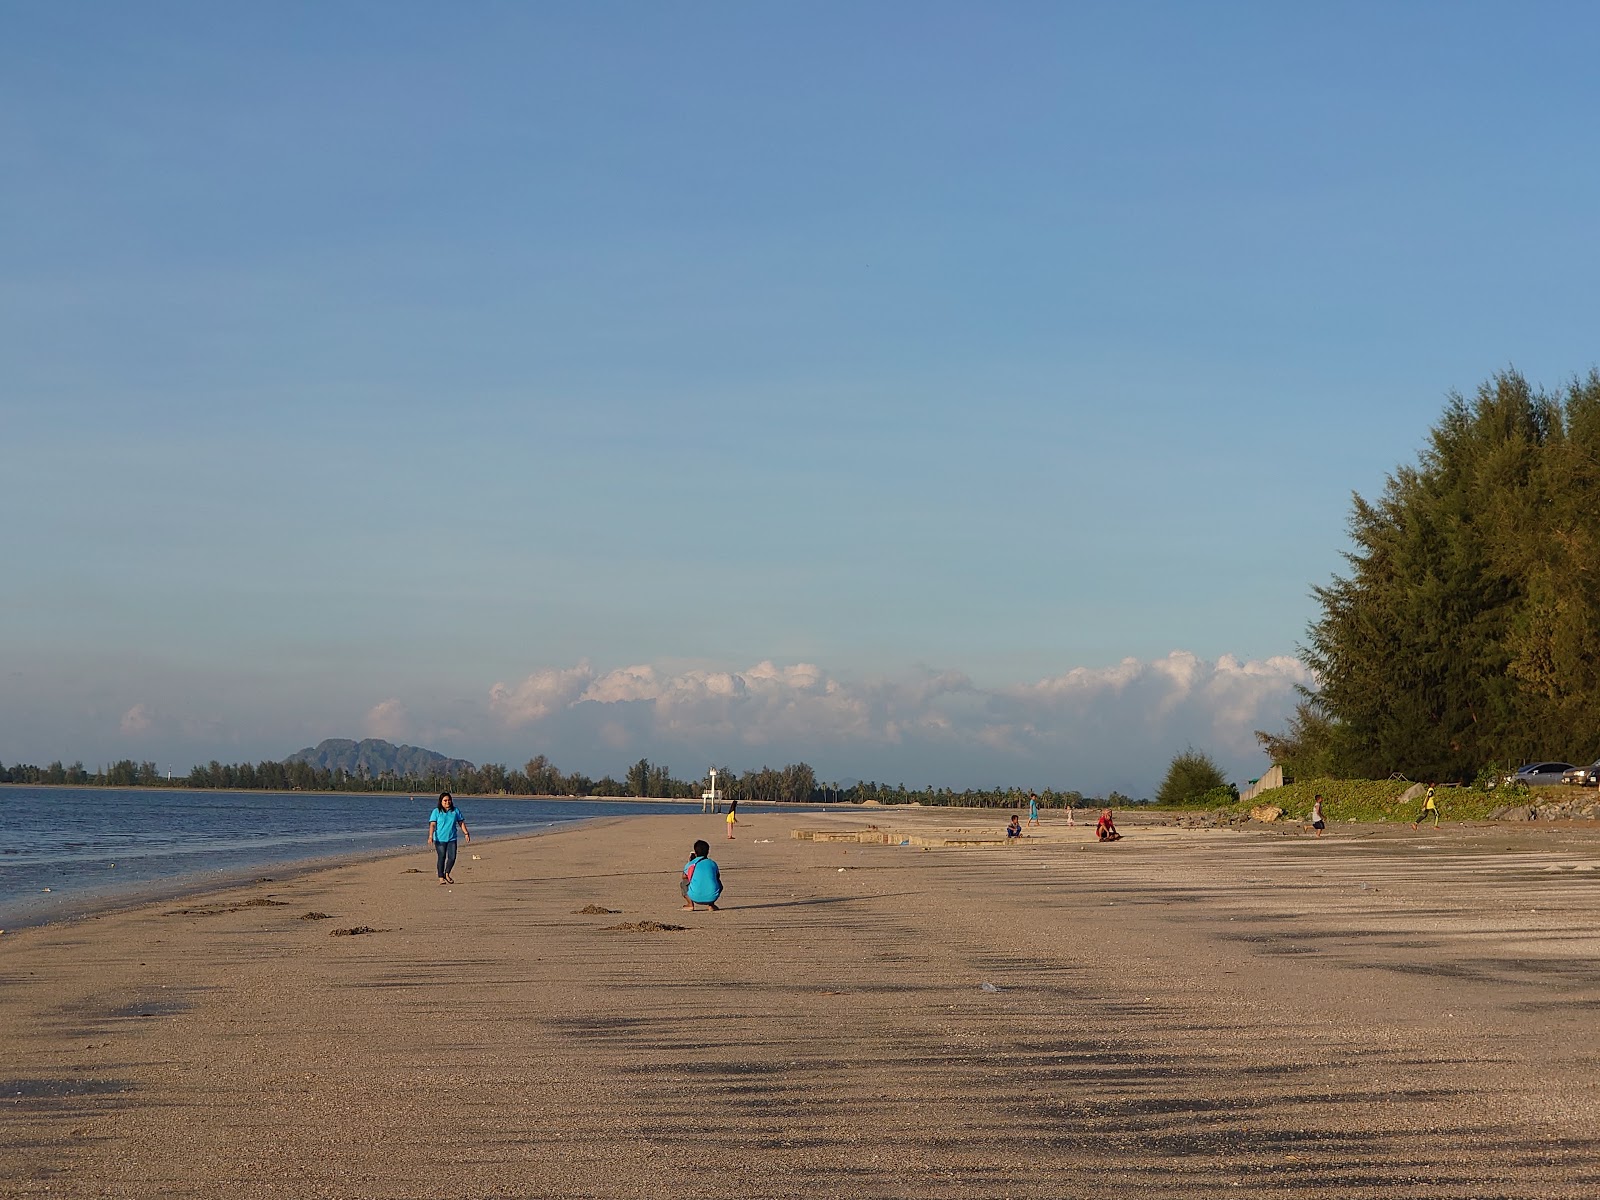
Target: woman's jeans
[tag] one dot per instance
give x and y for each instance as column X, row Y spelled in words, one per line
column 447, row 856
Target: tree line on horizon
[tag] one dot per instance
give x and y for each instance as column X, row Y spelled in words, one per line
column 793, row 784
column 1463, row 639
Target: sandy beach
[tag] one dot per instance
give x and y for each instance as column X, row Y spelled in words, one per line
column 1186, row 1013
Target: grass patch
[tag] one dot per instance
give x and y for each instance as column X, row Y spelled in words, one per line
column 1379, row 800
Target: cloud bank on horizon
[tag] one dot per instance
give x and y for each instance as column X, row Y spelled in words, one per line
column 1090, row 728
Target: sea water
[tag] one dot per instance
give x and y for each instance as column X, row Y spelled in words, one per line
column 68, row 851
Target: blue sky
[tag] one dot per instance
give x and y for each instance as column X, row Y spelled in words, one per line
column 938, row 393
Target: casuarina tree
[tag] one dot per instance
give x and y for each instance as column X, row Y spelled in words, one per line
column 1193, row 778
column 1464, row 631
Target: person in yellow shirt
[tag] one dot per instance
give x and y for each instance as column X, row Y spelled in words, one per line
column 1428, row 806
column 732, row 820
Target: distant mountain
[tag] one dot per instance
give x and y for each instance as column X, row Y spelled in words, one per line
column 374, row 756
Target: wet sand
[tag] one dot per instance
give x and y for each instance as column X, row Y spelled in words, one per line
column 1186, row 1013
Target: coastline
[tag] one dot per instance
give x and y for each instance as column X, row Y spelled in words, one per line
column 389, row 792
column 1187, row 1012
column 90, row 905
column 104, row 848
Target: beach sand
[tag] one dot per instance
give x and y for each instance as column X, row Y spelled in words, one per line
column 1187, row 1013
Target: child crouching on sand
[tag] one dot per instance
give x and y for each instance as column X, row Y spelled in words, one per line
column 702, row 880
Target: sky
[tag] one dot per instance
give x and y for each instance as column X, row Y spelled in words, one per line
column 934, row 393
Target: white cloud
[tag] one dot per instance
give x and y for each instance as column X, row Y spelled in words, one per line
column 140, row 719
column 630, row 683
column 1093, row 720
column 388, row 719
column 752, row 706
column 540, row 694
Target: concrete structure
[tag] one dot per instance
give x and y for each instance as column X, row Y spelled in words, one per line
column 1272, row 779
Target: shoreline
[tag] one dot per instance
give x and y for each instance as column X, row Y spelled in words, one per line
column 74, row 871
column 200, row 887
column 391, row 792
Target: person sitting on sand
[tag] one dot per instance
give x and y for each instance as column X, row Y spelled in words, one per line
column 442, row 826
column 702, row 880
column 1105, row 828
column 1013, row 830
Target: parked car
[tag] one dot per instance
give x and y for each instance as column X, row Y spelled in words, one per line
column 1583, row 776
column 1541, row 774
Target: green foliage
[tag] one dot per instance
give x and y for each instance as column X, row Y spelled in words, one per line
column 639, row 778
column 1464, row 632
column 1492, row 778
column 1305, row 749
column 1375, row 800
column 1194, row 780
column 1343, row 799
column 795, row 783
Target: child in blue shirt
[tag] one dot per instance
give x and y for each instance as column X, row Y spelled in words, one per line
column 702, row 880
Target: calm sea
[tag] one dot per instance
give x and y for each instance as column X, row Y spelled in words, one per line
column 73, row 850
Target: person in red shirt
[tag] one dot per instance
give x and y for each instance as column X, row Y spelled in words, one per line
column 1105, row 828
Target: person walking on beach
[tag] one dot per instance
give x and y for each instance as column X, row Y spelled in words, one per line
column 1428, row 806
column 1033, row 808
column 733, row 806
column 443, row 827
column 702, row 879
column 1317, row 822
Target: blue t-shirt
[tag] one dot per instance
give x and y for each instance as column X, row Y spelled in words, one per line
column 444, row 823
column 705, row 885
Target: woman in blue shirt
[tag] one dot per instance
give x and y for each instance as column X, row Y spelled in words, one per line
column 442, row 828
